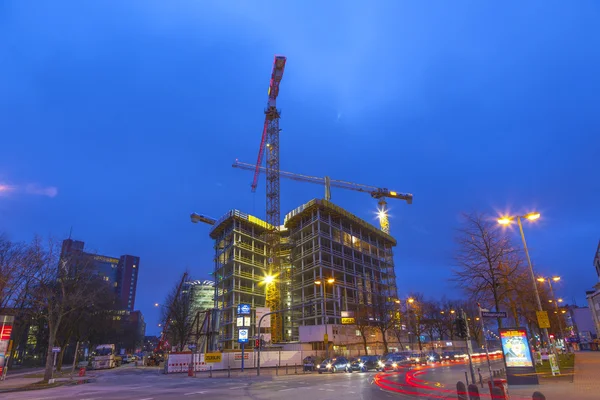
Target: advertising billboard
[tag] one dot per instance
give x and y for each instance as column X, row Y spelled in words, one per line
column 6, row 325
column 516, row 348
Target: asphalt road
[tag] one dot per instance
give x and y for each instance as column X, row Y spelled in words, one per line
column 147, row 384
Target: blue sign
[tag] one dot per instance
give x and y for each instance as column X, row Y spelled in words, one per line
column 243, row 335
column 243, row 309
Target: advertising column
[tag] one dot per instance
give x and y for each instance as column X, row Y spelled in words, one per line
column 520, row 368
column 6, row 325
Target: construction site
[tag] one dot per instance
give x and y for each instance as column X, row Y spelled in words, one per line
column 320, row 266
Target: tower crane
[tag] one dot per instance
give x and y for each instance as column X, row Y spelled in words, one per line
column 378, row 193
column 270, row 142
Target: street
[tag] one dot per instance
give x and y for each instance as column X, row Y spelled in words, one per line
column 147, row 384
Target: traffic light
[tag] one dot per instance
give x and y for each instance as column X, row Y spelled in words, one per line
column 460, row 326
column 257, row 343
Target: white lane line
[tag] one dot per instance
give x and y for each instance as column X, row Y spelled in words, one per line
column 191, row 393
column 285, row 390
column 237, row 387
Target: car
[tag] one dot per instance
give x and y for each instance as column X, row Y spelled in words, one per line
column 333, row 365
column 309, row 363
column 394, row 362
column 363, row 363
column 433, row 357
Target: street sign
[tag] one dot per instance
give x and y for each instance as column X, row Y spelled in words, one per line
column 348, row 321
column 493, row 314
column 56, row 349
column 191, row 346
column 243, row 322
column 243, row 309
column 243, row 336
column 543, row 321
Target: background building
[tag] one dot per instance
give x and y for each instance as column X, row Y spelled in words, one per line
column 202, row 294
column 121, row 273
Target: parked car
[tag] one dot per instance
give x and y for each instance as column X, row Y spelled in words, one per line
column 333, row 365
column 363, row 364
column 309, row 363
column 394, row 362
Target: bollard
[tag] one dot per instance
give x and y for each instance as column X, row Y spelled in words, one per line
column 481, row 380
column 276, row 369
column 538, row 396
column 286, row 369
column 229, row 371
column 466, row 378
column 210, row 372
column 461, row 391
column 295, row 368
column 473, row 392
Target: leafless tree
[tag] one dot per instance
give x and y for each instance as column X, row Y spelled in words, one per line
column 60, row 288
column 486, row 261
column 384, row 311
column 178, row 315
column 363, row 324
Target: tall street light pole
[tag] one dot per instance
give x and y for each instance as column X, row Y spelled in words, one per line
column 331, row 281
column 554, row 300
column 531, row 217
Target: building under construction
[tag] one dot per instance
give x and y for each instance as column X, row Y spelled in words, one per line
column 331, row 262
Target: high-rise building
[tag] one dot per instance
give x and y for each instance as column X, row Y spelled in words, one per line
column 331, row 262
column 339, row 260
column 240, row 267
column 202, row 295
column 120, row 273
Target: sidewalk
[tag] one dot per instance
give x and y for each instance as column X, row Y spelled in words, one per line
column 585, row 386
column 27, row 378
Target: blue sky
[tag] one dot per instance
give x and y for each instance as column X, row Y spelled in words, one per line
column 118, row 119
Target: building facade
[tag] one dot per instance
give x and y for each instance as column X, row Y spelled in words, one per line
column 332, row 263
column 240, row 269
column 202, row 294
column 593, row 296
column 341, row 264
column 120, row 273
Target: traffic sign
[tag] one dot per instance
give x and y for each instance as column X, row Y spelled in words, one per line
column 243, row 336
column 56, row 349
column 243, row 309
column 543, row 320
column 191, row 346
column 493, row 314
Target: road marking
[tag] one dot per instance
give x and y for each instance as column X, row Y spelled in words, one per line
column 237, row 387
column 285, row 390
column 191, row 393
column 148, row 398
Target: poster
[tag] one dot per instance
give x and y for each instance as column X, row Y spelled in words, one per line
column 516, row 348
column 6, row 323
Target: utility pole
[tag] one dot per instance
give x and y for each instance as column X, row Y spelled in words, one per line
column 469, row 344
column 487, row 353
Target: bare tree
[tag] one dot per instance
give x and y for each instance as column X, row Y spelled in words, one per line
column 384, row 311
column 180, row 314
column 61, row 288
column 482, row 250
column 363, row 324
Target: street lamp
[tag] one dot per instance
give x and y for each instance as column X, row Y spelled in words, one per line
column 506, row 220
column 554, row 300
column 318, row 282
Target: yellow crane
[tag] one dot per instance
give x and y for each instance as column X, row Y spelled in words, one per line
column 377, row 193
